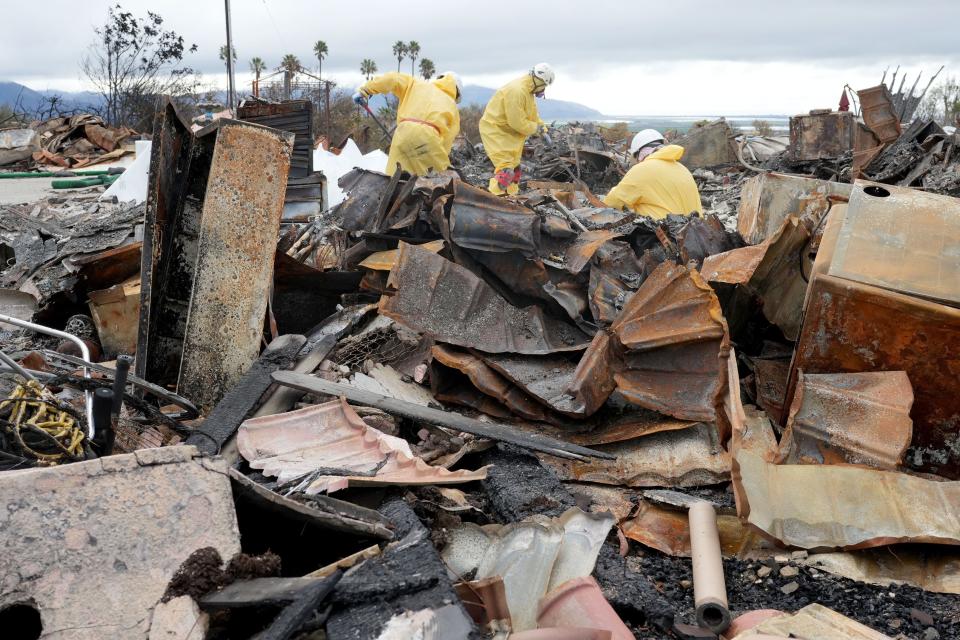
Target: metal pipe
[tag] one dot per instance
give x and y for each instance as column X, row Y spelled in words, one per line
column 102, row 404
column 13, row 364
column 233, row 94
column 120, row 382
column 84, row 351
column 709, row 586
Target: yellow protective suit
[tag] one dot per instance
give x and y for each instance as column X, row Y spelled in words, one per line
column 510, row 117
column 427, row 120
column 657, row 185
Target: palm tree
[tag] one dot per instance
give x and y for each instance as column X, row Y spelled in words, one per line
column 290, row 64
column 399, row 50
column 413, row 49
column 320, row 50
column 223, row 55
column 257, row 66
column 368, row 67
column 427, row 69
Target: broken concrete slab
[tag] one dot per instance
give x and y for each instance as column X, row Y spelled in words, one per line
column 70, row 543
column 857, row 418
column 843, row 507
column 431, row 295
column 179, row 619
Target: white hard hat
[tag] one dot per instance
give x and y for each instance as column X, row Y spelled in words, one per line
column 543, row 71
column 456, row 79
column 643, row 138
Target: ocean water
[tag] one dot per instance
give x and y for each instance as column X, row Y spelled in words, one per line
column 778, row 123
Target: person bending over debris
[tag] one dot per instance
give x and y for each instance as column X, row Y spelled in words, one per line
column 658, row 184
column 510, row 117
column 427, row 119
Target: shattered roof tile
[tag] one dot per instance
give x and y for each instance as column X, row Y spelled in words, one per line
column 332, row 436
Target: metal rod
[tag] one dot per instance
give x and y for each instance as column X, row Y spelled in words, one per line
column 102, row 404
column 84, row 351
column 120, row 382
column 709, row 587
column 13, row 364
column 233, row 94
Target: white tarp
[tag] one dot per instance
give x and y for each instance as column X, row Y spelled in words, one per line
column 334, row 166
column 131, row 186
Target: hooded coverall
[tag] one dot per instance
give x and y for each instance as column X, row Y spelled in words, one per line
column 657, row 185
column 427, row 120
column 510, row 117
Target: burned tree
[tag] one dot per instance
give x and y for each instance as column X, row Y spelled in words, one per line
column 133, row 60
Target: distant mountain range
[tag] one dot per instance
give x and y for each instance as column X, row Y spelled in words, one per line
column 30, row 100
column 472, row 94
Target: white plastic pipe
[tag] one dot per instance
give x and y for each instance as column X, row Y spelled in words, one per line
column 709, row 586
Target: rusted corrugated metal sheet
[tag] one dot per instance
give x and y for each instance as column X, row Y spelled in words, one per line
column 581, row 250
column 667, row 351
column 770, row 379
column 481, row 221
column 770, row 198
column 450, row 304
column 295, row 116
column 677, row 458
column 842, row 506
column 858, row 418
column 901, row 239
column 771, row 271
column 668, row 530
column 818, row 135
column 854, row 327
column 545, row 378
column 236, row 241
column 876, row 107
column 366, row 190
column 489, row 381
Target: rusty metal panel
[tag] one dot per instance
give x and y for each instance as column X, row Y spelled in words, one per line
column 771, row 271
column 813, row 621
column 481, row 221
column 545, row 378
column 852, row 327
column 365, row 190
column 770, row 198
column 856, row 418
column 237, row 239
column 667, row 351
column 926, row 567
column 708, row 145
column 843, row 506
column 821, row 134
column 876, row 106
column 581, row 250
column 489, row 381
column 771, row 384
column 450, row 304
column 668, row 531
column 901, row 239
column 169, row 249
column 295, row 116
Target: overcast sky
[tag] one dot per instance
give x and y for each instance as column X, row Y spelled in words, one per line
column 629, row 57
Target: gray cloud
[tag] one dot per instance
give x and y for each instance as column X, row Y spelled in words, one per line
column 48, row 39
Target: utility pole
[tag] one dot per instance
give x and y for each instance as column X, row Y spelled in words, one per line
column 233, row 95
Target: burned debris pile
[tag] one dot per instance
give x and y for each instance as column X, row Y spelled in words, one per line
column 432, row 412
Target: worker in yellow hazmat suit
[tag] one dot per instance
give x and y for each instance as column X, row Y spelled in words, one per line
column 509, row 119
column 658, row 184
column 427, row 119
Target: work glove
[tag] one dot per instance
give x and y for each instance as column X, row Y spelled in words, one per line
column 360, row 99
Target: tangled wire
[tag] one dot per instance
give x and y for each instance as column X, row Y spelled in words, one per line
column 35, row 429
